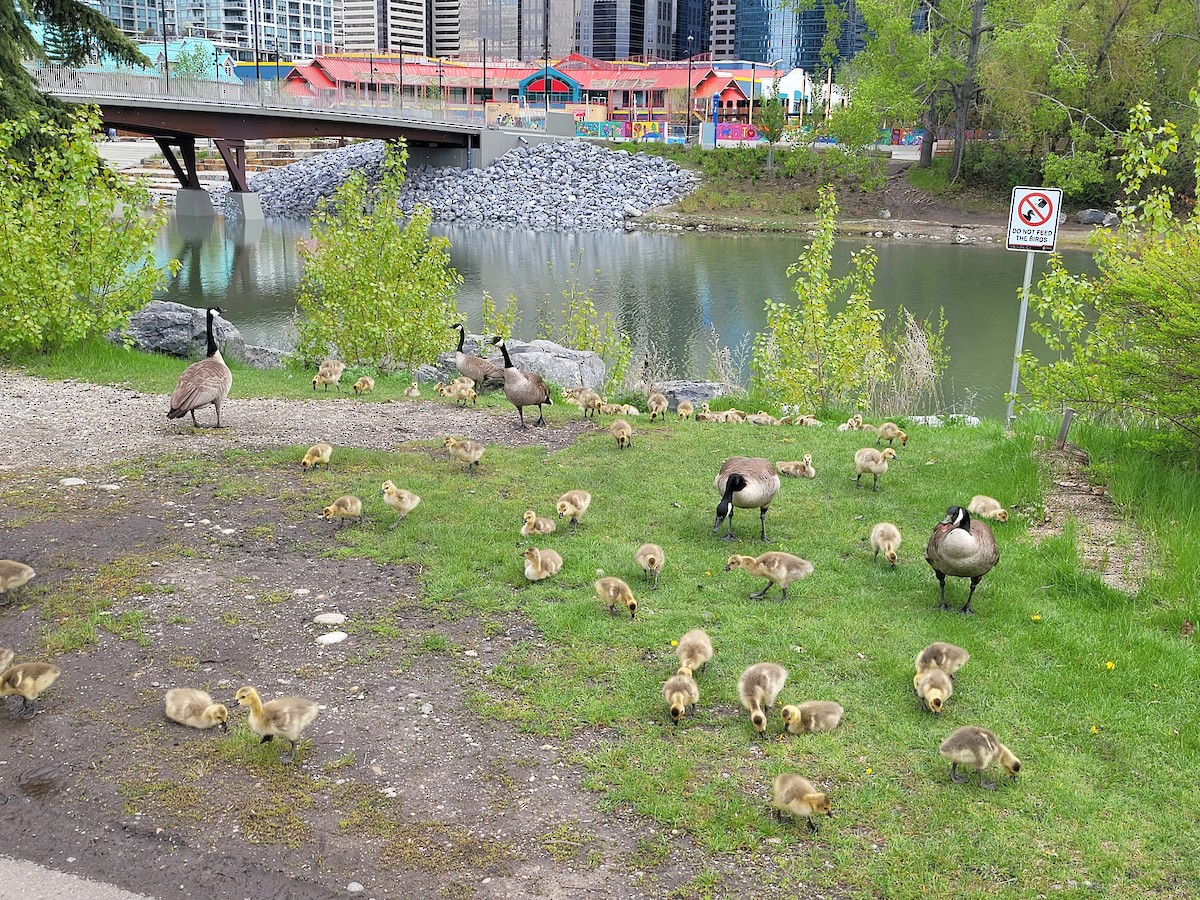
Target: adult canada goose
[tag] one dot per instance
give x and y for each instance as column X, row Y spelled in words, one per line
column 656, row 405
column 694, row 651
column 364, row 385
column 961, row 548
column 203, row 383
column 758, row 687
column 402, row 501
column 802, row 468
column 681, row 692
column 987, row 508
column 13, row 575
column 541, row 564
column 685, row 409
column 318, row 454
column 940, row 655
column 283, row 717
column 978, row 747
column 748, row 482
column 194, row 708
column 777, row 567
column 934, row 687
column 868, row 460
column 532, row 523
column 622, row 431
column 27, row 681
column 523, row 388
column 481, row 371
column 795, row 794
column 613, row 591
column 412, row 391
column 812, row 716
column 466, row 451
column 650, row 558
column 343, row 508
column 885, row 539
column 572, row 505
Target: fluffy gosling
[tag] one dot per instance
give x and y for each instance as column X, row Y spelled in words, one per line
column 13, row 575
column 572, row 505
column 650, row 558
column 195, row 708
column 870, row 461
column 795, row 794
column 762, row 418
column 317, row 455
column 532, row 523
column 6, row 657
column 694, row 651
column 613, row 591
column 758, row 687
column 622, row 432
column 888, row 431
column 940, row 655
column 778, row 568
column 402, row 501
column 681, row 692
column 541, row 564
column 329, row 372
column 656, row 404
column 469, row 452
column 885, row 539
column 364, row 385
column 812, row 716
column 412, row 391
column 987, row 508
column 283, row 717
column 978, row 747
column 343, row 508
column 28, row 681
column 934, row 687
column 685, row 409
column 801, row 468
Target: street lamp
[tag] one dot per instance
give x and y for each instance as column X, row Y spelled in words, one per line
column 162, row 26
column 546, row 53
column 690, row 101
column 441, row 87
column 257, row 74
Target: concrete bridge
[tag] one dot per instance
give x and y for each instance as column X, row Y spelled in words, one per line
column 178, row 113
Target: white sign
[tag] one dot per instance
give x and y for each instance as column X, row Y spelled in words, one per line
column 1033, row 219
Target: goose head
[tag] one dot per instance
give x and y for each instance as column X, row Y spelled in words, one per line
column 956, row 517
column 736, row 482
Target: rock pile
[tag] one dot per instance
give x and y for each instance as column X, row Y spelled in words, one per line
column 553, row 186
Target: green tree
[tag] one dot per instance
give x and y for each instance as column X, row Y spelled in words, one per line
column 76, row 250
column 376, row 288
column 195, row 62
column 772, row 116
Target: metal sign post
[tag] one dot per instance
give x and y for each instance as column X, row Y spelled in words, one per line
column 1032, row 227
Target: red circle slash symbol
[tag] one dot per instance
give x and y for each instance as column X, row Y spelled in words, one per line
column 1035, row 209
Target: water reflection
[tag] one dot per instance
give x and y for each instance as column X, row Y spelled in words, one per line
column 665, row 288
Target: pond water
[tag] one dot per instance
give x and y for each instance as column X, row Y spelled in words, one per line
column 668, row 288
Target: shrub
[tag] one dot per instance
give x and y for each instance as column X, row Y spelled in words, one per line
column 499, row 321
column 583, row 328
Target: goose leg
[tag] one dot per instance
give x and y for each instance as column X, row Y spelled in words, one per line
column 195, row 424
column 858, row 480
column 974, row 583
column 762, row 593
column 290, row 755
column 266, row 738
column 875, row 486
column 728, row 535
column 656, row 579
column 812, row 826
column 541, row 416
column 954, row 776
column 521, row 415
column 762, row 520
column 28, row 708
column 942, row 582
column 986, row 785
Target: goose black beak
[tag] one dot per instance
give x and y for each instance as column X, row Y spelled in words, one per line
column 224, row 726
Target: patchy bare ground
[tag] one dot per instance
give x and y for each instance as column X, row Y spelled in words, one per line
column 402, row 786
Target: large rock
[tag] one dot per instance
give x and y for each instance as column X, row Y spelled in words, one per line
column 264, row 357
column 178, row 330
column 558, row 364
column 1096, row 217
column 696, row 391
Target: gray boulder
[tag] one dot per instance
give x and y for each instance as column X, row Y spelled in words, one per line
column 696, row 391
column 1096, row 217
column 178, row 330
column 264, row 357
column 558, row 364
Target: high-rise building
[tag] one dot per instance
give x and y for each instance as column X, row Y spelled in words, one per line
column 811, row 35
column 693, row 18
column 397, row 26
column 629, row 29
column 516, row 29
column 761, row 31
column 444, row 35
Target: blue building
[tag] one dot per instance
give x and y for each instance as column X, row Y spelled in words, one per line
column 810, row 34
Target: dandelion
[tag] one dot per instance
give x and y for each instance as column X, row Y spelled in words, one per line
column 674, row 643
column 1036, row 617
column 1110, row 665
column 870, row 771
column 1095, row 730
column 708, row 574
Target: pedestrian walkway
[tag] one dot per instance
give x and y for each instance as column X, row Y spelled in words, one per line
column 21, row 880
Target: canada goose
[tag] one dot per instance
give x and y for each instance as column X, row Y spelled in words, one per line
column 854, row 423
column 651, row 558
column 613, row 590
column 523, row 388
column 812, row 716
column 572, row 505
column 412, row 391
column 630, row 410
column 27, row 681
column 747, row 482
column 940, row 655
column 870, row 460
column 589, row 401
column 777, row 567
column 795, row 794
column 885, row 538
column 694, row 651
column 318, row 454
column 481, row 371
column 622, row 432
column 465, row 451
column 344, row 507
column 804, row 421
column 730, row 416
column 758, row 687
column 978, row 747
column 532, row 524
column 961, row 548
column 934, row 687
column 13, row 575
column 6, row 657
column 802, row 468
column 329, row 372
column 680, row 691
column 762, row 418
column 402, row 501
column 987, row 508
column 888, row 431
column 283, row 717
column 364, row 385
column 461, row 392
column 612, row 409
column 541, row 564
column 656, row 405
column 702, row 416
column 196, row 709
column 685, row 409
column 202, row 383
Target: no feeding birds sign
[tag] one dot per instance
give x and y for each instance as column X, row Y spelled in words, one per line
column 1033, row 219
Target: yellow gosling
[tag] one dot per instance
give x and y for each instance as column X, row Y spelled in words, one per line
column 572, row 505
column 795, row 794
column 934, row 687
column 650, row 558
column 412, row 391
column 283, row 717
column 681, row 692
column 343, row 508
column 613, row 591
column 801, row 468
column 940, row 655
column 532, row 523
column 541, row 564
column 195, row 709
column 812, row 716
column 656, row 404
column 777, row 567
column 758, row 687
column 987, row 508
column 685, row 409
column 469, row 452
column 694, row 651
column 885, row 539
column 13, row 575
column 622, row 432
column 399, row 499
column 364, row 385
column 28, row 681
column 972, row 745
column 869, row 461
column 317, row 455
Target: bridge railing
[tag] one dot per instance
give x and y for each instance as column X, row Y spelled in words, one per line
column 84, row 86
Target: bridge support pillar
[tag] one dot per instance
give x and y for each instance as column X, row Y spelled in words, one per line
column 193, row 202
column 248, row 206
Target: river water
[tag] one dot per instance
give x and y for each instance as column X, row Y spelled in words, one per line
column 667, row 288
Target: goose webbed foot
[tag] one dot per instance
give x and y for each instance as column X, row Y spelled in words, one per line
column 966, row 610
column 758, row 595
column 812, row 826
column 986, row 785
column 266, row 738
column 290, row 755
column 954, row 776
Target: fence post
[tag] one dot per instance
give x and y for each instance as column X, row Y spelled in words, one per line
column 1061, row 441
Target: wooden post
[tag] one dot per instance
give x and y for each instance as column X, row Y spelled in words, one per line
column 1061, row 441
